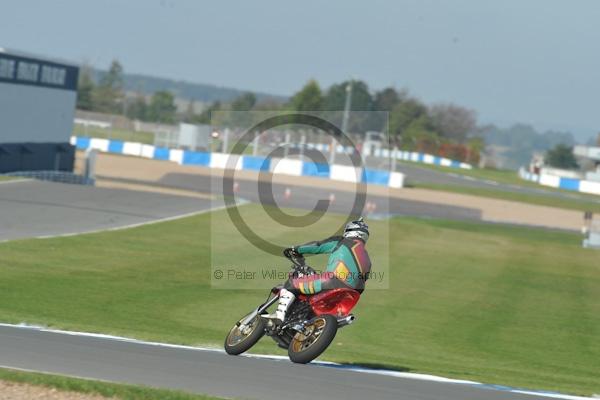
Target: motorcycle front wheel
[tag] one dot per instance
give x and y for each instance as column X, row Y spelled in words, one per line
column 319, row 334
column 241, row 340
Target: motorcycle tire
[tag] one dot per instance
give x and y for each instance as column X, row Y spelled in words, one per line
column 238, row 342
column 303, row 349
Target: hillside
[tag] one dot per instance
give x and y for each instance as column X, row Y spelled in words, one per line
column 195, row 91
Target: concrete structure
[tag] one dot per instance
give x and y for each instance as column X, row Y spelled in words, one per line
column 37, row 108
column 591, row 154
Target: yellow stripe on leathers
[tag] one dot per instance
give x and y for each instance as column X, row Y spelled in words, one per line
column 341, row 271
column 301, row 287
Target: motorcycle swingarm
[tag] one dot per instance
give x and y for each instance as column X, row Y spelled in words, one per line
column 300, row 327
column 259, row 310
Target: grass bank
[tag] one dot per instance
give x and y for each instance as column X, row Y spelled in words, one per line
column 108, row 390
column 498, row 304
column 114, row 134
column 4, row 178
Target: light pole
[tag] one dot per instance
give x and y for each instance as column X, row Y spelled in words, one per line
column 347, row 107
column 345, row 118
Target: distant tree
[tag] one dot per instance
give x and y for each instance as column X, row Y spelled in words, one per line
column 270, row 105
column 190, row 113
column 309, row 98
column 245, row 102
column 205, row 116
column 418, row 135
column 108, row 95
column 85, row 89
column 386, row 99
column 454, row 151
column 408, row 112
column 561, row 156
column 114, row 76
column 335, row 99
column 453, row 122
column 475, row 146
column 162, row 107
column 138, row 109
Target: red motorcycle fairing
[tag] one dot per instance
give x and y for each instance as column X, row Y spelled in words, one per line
column 337, row 302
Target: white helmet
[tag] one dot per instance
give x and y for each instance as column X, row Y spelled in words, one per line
column 357, row 229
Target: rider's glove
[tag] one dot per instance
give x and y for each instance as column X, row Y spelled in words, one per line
column 291, row 252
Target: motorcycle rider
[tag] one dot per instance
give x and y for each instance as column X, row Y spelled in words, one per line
column 348, row 266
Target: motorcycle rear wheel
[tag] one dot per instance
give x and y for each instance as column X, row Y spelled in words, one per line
column 305, row 348
column 238, row 341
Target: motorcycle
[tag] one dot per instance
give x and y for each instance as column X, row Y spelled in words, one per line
column 311, row 322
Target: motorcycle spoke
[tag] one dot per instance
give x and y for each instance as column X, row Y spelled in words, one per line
column 237, row 336
column 303, row 342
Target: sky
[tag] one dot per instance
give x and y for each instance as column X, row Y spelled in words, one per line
column 529, row 61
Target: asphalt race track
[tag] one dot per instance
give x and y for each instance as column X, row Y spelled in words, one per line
column 215, row 373
column 303, row 197
column 35, row 208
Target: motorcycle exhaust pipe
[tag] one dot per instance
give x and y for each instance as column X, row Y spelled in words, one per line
column 347, row 320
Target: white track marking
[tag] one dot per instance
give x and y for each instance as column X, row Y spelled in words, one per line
column 118, row 228
column 326, row 364
column 491, row 182
column 239, row 202
column 138, row 224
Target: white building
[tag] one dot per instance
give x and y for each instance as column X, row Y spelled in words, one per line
column 592, row 154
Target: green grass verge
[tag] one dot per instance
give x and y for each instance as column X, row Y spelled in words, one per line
column 106, row 389
column 4, row 178
column 530, row 198
column 114, row 134
column 497, row 304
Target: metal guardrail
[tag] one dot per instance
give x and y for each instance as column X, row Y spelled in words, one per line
column 54, row 176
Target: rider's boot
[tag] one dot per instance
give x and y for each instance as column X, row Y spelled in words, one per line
column 286, row 298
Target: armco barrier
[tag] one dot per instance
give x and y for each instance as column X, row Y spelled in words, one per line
column 576, row 185
column 252, row 163
column 36, row 157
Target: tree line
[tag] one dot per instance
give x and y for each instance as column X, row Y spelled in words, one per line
column 445, row 129
column 108, row 96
